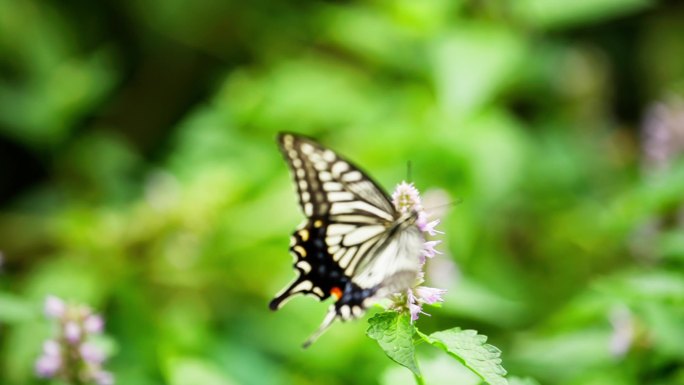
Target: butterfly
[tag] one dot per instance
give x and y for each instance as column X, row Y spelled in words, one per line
column 354, row 246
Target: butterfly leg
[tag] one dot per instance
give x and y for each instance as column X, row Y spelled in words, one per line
column 327, row 321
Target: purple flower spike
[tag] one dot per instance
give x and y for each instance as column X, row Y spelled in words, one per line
column 406, row 199
column 70, row 357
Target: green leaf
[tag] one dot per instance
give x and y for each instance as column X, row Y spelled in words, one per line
column 496, row 52
column 560, row 14
column 185, row 370
column 470, row 348
column 14, row 309
column 522, row 381
column 394, row 333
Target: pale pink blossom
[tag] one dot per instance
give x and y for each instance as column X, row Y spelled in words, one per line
column 47, row 366
column 93, row 324
column 54, row 307
column 406, row 198
column 429, row 295
column 51, row 361
column 91, row 353
column 422, row 295
column 51, row 348
column 663, row 135
column 429, row 227
column 622, row 338
column 414, row 310
column 104, row 378
column 72, row 332
column 429, row 248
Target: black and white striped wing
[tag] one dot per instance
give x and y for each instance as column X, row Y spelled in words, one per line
column 347, row 214
column 353, row 209
column 330, row 185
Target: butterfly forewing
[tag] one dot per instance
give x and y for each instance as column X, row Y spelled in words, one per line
column 328, row 184
column 354, row 245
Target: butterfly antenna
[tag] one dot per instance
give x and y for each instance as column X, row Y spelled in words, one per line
column 448, row 204
column 408, row 171
column 327, row 321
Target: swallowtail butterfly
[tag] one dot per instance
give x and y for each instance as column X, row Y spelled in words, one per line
column 354, row 245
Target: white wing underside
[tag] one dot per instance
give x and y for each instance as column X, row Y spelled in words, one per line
column 394, row 267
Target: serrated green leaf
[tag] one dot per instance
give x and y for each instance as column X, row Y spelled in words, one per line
column 394, row 333
column 470, row 348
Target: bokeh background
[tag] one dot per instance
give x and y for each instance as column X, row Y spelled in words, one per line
column 139, row 174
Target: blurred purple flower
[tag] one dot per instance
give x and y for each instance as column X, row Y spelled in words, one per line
column 47, row 366
column 662, row 142
column 72, row 332
column 103, row 378
column 444, row 272
column 70, row 357
column 621, row 340
column 93, row 324
column 54, row 307
column 51, row 361
column 51, row 348
column 91, row 353
column 663, row 134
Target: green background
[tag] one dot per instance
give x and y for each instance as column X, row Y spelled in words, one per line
column 139, row 174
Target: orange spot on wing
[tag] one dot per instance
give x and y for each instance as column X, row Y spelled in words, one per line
column 336, row 292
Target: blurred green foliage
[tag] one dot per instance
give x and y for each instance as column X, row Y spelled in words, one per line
column 140, row 175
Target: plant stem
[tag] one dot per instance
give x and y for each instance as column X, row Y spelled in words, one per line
column 419, row 379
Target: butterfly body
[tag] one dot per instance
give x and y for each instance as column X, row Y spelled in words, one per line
column 355, row 246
